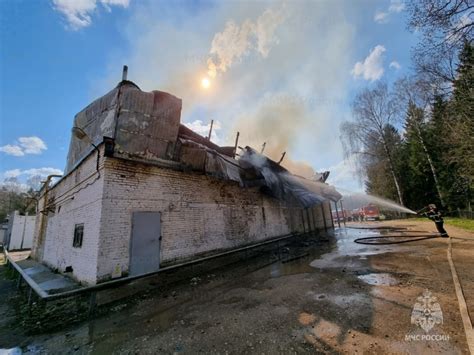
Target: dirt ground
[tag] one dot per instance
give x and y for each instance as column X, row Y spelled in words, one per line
column 319, row 295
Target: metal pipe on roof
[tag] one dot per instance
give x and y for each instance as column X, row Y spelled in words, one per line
column 210, row 131
column 124, row 72
column 282, row 156
column 236, row 143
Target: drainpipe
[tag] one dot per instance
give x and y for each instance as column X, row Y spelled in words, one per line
column 337, row 215
column 23, row 233
column 343, row 214
column 43, row 216
column 330, row 213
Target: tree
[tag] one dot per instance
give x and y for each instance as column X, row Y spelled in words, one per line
column 416, row 129
column 377, row 167
column 459, row 134
column 13, row 196
column 374, row 112
column 422, row 186
column 444, row 26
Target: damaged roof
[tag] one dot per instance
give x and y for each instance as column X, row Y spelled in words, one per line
column 146, row 127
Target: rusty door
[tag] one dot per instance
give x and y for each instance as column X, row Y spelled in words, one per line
column 145, row 242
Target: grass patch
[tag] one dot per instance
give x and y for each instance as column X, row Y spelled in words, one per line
column 463, row 223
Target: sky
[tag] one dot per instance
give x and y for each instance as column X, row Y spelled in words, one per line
column 280, row 72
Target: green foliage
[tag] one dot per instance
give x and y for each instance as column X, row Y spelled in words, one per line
column 379, row 176
column 463, row 223
column 419, row 185
column 434, row 159
column 11, row 200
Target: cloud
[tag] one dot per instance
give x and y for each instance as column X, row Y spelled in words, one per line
column 25, row 145
column 236, row 41
column 23, row 180
column 12, row 173
column 343, row 175
column 15, row 173
column 372, row 66
column 456, row 33
column 395, row 7
column 42, row 172
column 12, row 150
column 28, row 173
column 78, row 12
column 32, row 145
column 395, row 65
column 203, row 129
column 381, row 17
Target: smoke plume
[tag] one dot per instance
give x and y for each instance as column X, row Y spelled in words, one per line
column 278, row 71
column 236, row 41
column 277, row 123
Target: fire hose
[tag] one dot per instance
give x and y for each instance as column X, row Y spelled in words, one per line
column 412, row 238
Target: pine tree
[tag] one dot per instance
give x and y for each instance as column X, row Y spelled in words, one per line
column 459, row 135
column 423, row 186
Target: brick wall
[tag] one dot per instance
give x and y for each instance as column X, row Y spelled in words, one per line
column 198, row 214
column 77, row 199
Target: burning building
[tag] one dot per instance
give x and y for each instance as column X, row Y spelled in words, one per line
column 142, row 191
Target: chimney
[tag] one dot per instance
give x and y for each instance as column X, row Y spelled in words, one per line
column 124, row 72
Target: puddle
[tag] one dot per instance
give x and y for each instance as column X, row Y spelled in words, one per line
column 291, row 268
column 378, row 279
column 342, row 301
column 347, row 253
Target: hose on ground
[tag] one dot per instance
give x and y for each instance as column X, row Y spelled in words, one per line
column 412, row 238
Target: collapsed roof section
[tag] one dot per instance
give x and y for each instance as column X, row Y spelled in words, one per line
column 146, row 127
column 283, row 185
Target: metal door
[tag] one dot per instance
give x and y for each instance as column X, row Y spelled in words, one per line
column 145, row 242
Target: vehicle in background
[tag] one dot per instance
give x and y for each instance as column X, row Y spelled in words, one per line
column 358, row 215
column 371, row 213
column 341, row 216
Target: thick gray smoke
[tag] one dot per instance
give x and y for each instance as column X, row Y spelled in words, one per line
column 280, row 69
column 286, row 186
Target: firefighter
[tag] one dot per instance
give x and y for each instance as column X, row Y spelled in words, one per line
column 436, row 217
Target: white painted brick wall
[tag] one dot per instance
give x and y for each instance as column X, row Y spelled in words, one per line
column 198, row 213
column 78, row 199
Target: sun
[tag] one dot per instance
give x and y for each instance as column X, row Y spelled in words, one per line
column 205, row 83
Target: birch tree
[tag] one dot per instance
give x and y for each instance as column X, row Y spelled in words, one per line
column 374, row 110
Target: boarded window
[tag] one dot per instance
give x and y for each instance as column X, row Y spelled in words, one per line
column 78, row 234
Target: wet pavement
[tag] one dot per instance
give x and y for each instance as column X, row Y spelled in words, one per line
column 320, row 294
